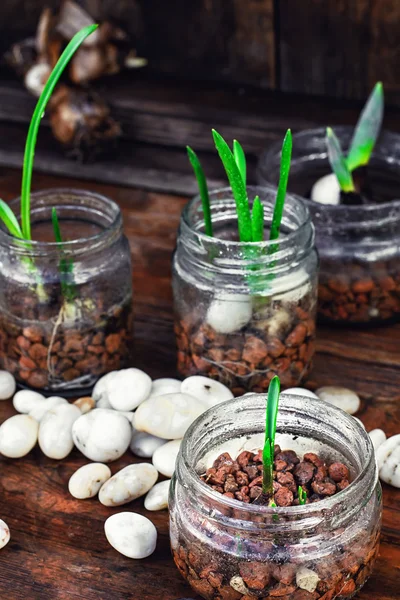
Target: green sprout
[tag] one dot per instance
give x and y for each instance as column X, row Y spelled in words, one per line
column 66, row 265
column 367, row 129
column 240, row 159
column 338, row 162
column 203, row 189
column 269, row 444
column 302, row 495
column 286, row 156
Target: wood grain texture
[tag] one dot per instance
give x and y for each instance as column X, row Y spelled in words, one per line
column 58, row 550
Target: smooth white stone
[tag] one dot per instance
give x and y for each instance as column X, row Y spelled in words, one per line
column 164, row 458
column 341, row 397
column 288, row 289
column 378, row 436
column 128, row 414
column 165, row 385
column 157, row 497
column 278, row 323
column 85, row 404
column 7, row 385
column 131, row 534
column 99, row 393
column 238, row 585
column 41, row 409
column 307, row 579
column 55, row 431
column 18, row 435
column 168, row 416
column 229, row 312
column 206, row 390
column 326, row 190
column 297, row 391
column 26, row 400
column 128, row 484
column 388, row 458
column 102, row 435
column 128, row 389
column 144, row 444
column 4, row 534
column 87, row 480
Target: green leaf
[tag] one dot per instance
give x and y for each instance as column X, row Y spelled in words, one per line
column 238, row 188
column 10, row 220
column 338, row 162
column 240, row 159
column 203, row 189
column 270, row 432
column 302, row 495
column 66, row 264
column 257, row 220
column 286, row 156
column 35, row 123
column 367, row 129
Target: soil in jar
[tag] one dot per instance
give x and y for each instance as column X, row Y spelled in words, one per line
column 53, row 346
column 278, row 340
column 276, row 574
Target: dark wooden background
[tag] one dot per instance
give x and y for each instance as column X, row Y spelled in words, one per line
column 335, row 48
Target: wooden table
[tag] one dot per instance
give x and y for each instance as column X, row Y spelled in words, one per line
column 58, row 550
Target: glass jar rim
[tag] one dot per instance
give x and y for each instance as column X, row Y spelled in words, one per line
column 189, row 476
column 341, row 130
column 287, row 239
column 105, row 205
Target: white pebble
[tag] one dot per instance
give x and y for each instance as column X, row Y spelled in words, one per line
column 144, row 444
column 128, row 484
column 18, row 435
column 157, row 497
column 229, row 312
column 26, row 400
column 164, row 458
column 85, row 404
column 55, row 431
column 238, row 585
column 4, row 534
column 131, row 534
column 341, row 397
column 125, row 390
column 40, row 409
column 165, row 385
column 7, row 385
column 99, row 393
column 388, row 458
column 128, row 414
column 377, row 437
column 297, row 391
column 102, row 435
column 87, row 480
column 168, row 416
column 307, row 579
column 206, row 390
column 326, row 190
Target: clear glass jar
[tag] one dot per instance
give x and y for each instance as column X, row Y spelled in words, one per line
column 66, row 313
column 359, row 246
column 245, row 311
column 232, row 550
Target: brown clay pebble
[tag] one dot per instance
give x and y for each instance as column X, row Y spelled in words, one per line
column 338, row 471
column 304, row 472
column 283, row 497
column 256, row 575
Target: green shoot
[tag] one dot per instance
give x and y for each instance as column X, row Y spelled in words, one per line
column 270, row 431
column 338, row 162
column 302, row 495
column 238, row 187
column 35, row 123
column 282, row 187
column 10, row 220
column 257, row 220
column 66, row 264
column 367, row 129
column 203, row 189
column 240, row 159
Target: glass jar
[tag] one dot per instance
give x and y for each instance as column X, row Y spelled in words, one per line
column 232, row 550
column 245, row 311
column 359, row 246
column 66, row 312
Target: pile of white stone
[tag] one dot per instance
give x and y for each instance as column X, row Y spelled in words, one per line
column 126, row 410
column 129, row 410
